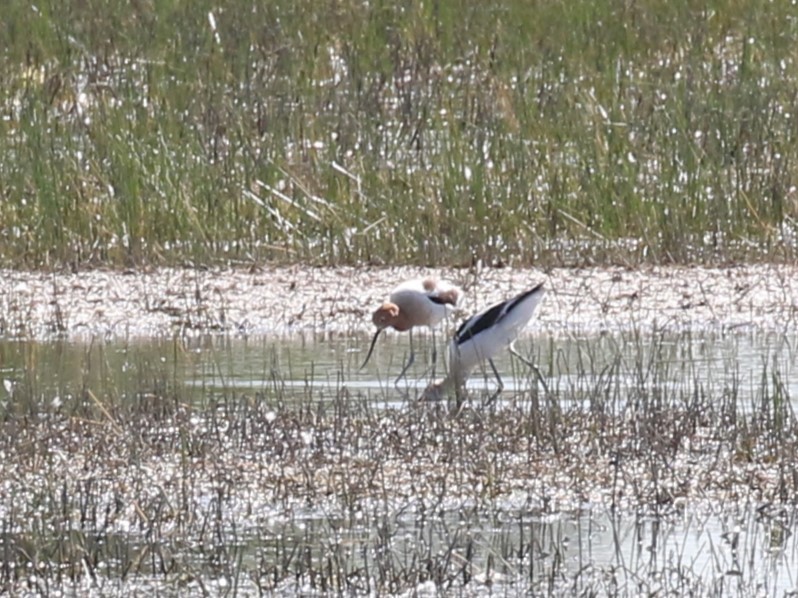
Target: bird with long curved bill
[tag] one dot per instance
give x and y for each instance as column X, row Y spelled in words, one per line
column 416, row 302
column 483, row 335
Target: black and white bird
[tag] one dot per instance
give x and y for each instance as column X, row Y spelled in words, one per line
column 483, row 335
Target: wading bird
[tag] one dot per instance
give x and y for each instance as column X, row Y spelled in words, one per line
column 480, row 337
column 417, row 302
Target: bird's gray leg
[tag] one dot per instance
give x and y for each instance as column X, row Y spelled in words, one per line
column 409, row 361
column 496, row 373
column 460, row 398
column 434, row 353
column 531, row 365
column 499, row 382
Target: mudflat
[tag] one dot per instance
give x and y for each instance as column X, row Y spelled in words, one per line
column 301, row 299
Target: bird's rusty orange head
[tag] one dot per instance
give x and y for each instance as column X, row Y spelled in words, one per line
column 385, row 315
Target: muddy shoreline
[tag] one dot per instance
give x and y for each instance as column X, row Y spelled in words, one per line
column 301, row 299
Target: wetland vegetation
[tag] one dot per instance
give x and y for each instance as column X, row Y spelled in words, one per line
column 656, row 463
column 430, row 133
column 238, row 451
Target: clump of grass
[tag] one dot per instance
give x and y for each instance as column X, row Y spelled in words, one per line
column 544, row 132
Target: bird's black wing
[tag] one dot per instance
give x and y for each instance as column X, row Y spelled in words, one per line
column 482, row 321
column 476, row 324
column 519, row 298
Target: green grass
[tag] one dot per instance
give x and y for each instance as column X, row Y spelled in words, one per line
column 432, row 133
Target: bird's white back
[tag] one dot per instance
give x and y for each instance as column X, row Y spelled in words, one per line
column 472, row 350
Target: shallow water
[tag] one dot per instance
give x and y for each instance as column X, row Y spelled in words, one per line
column 510, row 552
column 516, row 551
column 320, row 364
column 511, row 547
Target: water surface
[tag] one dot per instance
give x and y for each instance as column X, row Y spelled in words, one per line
column 570, row 367
column 509, row 545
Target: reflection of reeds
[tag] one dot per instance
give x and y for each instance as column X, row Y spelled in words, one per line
column 124, row 481
column 338, row 132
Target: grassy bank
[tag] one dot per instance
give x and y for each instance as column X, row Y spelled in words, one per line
column 421, row 132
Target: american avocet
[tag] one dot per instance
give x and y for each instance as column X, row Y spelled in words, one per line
column 417, row 302
column 480, row 337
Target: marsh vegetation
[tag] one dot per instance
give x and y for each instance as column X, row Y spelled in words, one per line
column 429, row 133
column 656, row 464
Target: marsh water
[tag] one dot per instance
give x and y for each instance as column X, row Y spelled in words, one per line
column 716, row 546
column 318, row 365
